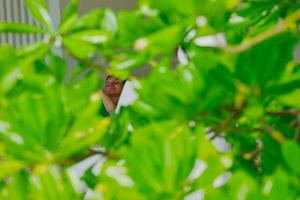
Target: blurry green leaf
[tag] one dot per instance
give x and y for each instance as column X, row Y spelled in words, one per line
column 270, row 157
column 81, row 91
column 17, row 188
column 38, row 118
column 178, row 7
column 86, row 50
column 92, row 36
column 69, row 16
column 98, row 19
column 8, row 57
column 58, row 67
column 90, row 20
column 153, row 148
column 253, row 112
column 109, row 21
column 31, row 53
column 76, row 73
column 168, row 38
column 115, row 177
column 262, row 64
column 128, row 33
column 242, row 186
column 291, row 151
column 163, row 165
column 114, row 183
column 118, row 132
column 216, row 163
column 279, row 186
column 9, row 71
column 89, row 178
column 42, row 119
column 84, row 134
column 291, row 99
column 123, row 66
column 286, row 86
column 31, row 49
column 19, row 28
column 51, row 183
column 9, row 167
column 38, row 9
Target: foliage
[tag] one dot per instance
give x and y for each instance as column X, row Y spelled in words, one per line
column 218, row 69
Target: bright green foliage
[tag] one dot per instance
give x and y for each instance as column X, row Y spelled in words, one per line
column 217, row 69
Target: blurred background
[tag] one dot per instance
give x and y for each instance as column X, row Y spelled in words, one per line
column 87, row 5
column 14, row 11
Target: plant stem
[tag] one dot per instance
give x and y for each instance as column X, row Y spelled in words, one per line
column 281, row 26
column 91, row 152
column 284, row 113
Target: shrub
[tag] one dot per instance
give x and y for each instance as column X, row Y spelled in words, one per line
column 220, row 71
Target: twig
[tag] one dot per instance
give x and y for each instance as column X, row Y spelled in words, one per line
column 235, row 112
column 275, row 134
column 90, row 152
column 283, row 113
column 281, row 26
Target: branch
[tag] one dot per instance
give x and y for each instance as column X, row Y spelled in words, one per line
column 281, row 26
column 275, row 134
column 234, row 113
column 297, row 135
column 89, row 153
column 284, row 113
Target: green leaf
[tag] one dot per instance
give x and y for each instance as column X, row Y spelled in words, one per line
column 69, row 17
column 18, row 187
column 114, row 176
column 168, row 6
column 92, row 36
column 242, row 186
column 86, row 50
column 270, row 156
column 9, row 71
column 109, row 21
column 290, row 151
column 84, row 134
column 30, row 53
column 13, row 27
column 9, row 167
column 49, row 183
column 291, row 99
column 168, row 38
column 87, row 129
column 70, row 11
column 38, row 9
column 163, row 165
column 123, row 66
column 98, row 19
column 80, row 91
column 279, row 186
column 261, row 64
column 216, row 163
column 58, row 67
column 128, row 33
column 286, row 86
column 33, row 51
